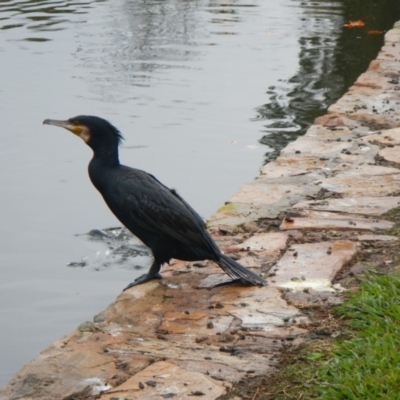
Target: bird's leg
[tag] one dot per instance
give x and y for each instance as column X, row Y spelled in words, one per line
column 154, row 273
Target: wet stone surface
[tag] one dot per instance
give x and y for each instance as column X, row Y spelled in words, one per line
column 300, row 225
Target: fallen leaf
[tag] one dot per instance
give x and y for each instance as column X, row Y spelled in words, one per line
column 355, row 24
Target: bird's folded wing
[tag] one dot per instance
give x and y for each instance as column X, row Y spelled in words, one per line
column 159, row 210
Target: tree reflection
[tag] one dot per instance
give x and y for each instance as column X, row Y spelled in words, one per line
column 331, row 58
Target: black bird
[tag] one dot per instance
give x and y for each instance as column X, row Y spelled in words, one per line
column 157, row 215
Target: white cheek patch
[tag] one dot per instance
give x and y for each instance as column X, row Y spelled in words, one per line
column 85, row 135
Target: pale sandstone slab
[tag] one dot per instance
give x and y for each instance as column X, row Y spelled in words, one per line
column 353, row 205
column 290, row 166
column 387, row 136
column 203, row 355
column 315, row 146
column 335, row 224
column 166, row 378
column 370, row 170
column 336, row 121
column 378, row 116
column 391, row 154
column 377, row 79
column 268, row 243
column 372, row 238
column 261, row 308
column 393, row 36
column 374, row 180
column 58, row 374
column 312, row 265
column 263, row 193
column 311, row 220
column 194, row 323
column 265, row 198
column 360, row 155
column 338, row 130
column 324, row 214
column 372, row 99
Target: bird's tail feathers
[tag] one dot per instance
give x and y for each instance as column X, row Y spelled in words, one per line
column 237, row 271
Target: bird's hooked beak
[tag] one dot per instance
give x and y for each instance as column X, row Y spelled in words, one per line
column 78, row 130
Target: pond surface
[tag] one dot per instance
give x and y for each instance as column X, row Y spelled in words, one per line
column 202, row 91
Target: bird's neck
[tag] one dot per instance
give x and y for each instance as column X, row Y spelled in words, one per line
column 105, row 157
column 101, row 168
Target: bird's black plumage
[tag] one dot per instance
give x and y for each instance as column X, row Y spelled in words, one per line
column 157, row 215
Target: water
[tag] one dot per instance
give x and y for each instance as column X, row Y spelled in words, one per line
column 202, row 91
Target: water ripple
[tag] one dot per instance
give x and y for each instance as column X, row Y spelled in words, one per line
column 41, row 16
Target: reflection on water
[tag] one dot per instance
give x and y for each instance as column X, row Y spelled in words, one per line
column 142, row 40
column 294, row 103
column 330, row 60
column 138, row 42
column 37, row 17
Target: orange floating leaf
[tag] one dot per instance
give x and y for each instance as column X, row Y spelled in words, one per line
column 375, row 32
column 355, row 24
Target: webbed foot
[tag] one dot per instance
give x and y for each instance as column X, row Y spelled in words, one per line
column 143, row 279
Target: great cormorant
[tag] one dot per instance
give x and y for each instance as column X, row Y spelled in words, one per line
column 157, row 215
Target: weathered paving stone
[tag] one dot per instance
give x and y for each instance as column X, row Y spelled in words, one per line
column 337, row 122
column 264, row 198
column 374, row 206
column 268, row 243
column 257, row 308
column 312, row 220
column 264, row 193
column 313, row 265
column 194, row 323
column 372, row 238
column 391, row 154
column 57, row 374
column 349, row 224
column 236, row 213
column 289, row 166
column 314, row 145
column 275, row 191
column 386, row 137
column 162, row 379
column 380, row 181
column 372, row 98
column 332, row 129
column 390, row 140
column 370, row 111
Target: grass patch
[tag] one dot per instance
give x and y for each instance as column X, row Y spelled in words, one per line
column 368, row 365
column 393, row 215
column 365, row 365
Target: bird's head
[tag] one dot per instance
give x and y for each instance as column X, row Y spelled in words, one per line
column 96, row 132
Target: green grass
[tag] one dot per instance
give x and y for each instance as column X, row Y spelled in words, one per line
column 368, row 365
column 365, row 365
column 393, row 215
